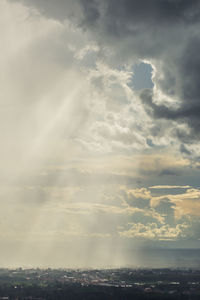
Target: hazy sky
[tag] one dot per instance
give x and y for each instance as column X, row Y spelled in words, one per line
column 100, row 129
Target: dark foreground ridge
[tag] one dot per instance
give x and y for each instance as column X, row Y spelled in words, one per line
column 120, row 284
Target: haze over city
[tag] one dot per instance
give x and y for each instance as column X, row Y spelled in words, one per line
column 99, row 114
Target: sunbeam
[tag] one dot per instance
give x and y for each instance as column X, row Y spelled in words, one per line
column 99, row 120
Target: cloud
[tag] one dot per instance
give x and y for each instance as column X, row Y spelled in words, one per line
column 165, row 101
column 60, row 11
column 166, row 209
column 154, row 232
column 139, row 198
column 169, row 187
column 141, row 26
column 163, row 217
column 186, row 203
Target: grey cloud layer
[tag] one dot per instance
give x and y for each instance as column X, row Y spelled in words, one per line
column 164, row 32
column 78, row 140
column 167, row 33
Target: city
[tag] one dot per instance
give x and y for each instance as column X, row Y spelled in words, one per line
column 126, row 283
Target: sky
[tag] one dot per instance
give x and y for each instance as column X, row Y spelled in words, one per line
column 99, row 113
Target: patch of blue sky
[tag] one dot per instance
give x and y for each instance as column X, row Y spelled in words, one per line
column 142, row 77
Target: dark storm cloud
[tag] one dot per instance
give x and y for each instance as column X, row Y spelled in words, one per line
column 186, row 70
column 162, row 111
column 119, row 17
column 166, row 32
column 151, row 11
